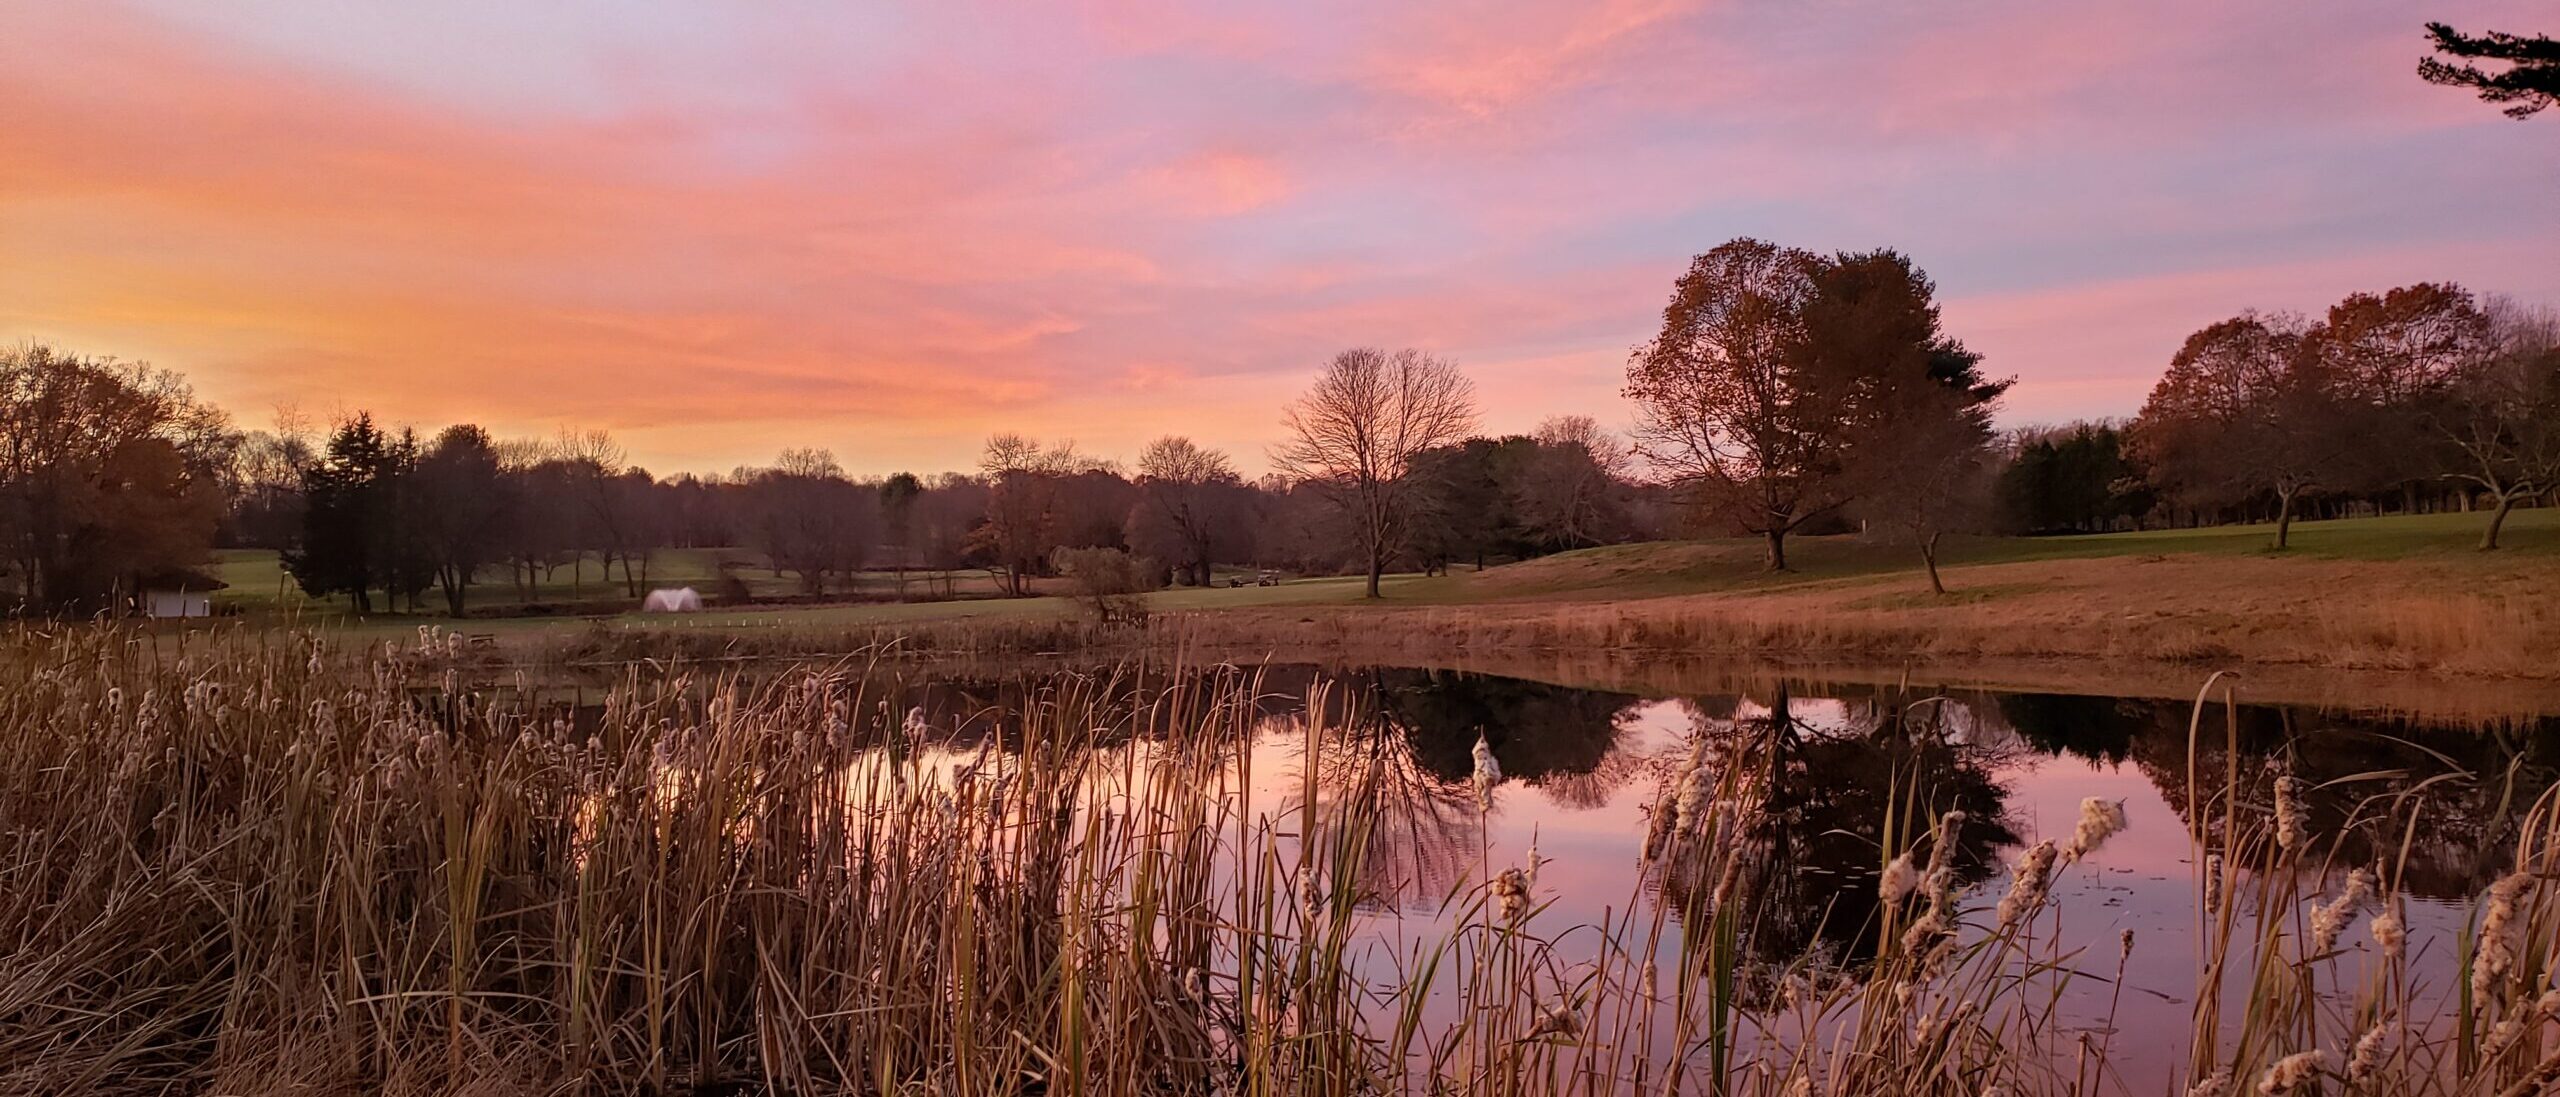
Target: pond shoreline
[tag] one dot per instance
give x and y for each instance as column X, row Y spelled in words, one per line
column 2453, row 699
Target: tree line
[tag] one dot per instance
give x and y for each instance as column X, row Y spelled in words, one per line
column 1785, row 393
column 388, row 518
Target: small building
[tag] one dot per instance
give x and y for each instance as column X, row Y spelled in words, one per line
column 176, row 593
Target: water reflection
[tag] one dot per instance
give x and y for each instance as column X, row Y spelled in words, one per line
column 1841, row 778
column 1844, row 767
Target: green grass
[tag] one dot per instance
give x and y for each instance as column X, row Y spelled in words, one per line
column 1668, row 568
column 1616, row 572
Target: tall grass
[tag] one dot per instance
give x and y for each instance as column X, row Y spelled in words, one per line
column 262, row 865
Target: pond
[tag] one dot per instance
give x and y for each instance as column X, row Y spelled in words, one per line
column 1821, row 786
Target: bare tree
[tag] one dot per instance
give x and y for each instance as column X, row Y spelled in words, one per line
column 1355, row 434
column 1182, row 485
column 1571, row 492
column 1931, row 474
column 2502, row 411
column 810, row 520
column 1724, row 404
column 615, row 525
column 1024, row 519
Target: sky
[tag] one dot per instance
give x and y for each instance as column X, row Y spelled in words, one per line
column 718, row 230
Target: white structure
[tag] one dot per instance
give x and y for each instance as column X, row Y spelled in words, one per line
column 177, row 603
column 678, row 600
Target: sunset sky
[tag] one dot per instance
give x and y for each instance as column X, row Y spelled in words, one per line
column 718, row 229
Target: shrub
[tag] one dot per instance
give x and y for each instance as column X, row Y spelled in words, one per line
column 1112, row 584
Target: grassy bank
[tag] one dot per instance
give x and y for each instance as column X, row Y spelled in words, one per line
column 266, row 869
column 2402, row 594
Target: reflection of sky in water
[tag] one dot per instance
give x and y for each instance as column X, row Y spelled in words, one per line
column 1588, row 819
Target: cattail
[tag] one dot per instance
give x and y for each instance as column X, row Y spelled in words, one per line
column 1657, row 832
column 2505, row 1034
column 2124, row 947
column 2331, row 918
column 1529, row 875
column 2100, row 819
column 2291, row 1072
column 1488, row 772
column 2028, row 887
column 2495, row 954
column 1511, row 889
column 1942, row 846
column 2292, row 832
column 1899, row 879
column 2213, row 882
column 2215, row 1084
column 1558, row 1020
column 2369, row 1050
column 2502, row 1036
column 1801, row 1087
column 1689, row 808
column 2389, row 933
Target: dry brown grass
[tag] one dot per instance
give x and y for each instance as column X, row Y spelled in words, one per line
column 2449, row 618
column 258, row 868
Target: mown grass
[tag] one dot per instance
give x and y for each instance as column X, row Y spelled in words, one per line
column 278, row 867
column 1673, row 568
column 2391, row 594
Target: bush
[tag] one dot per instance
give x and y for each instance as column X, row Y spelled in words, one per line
column 1112, row 584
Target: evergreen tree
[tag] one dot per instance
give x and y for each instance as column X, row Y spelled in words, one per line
column 356, row 499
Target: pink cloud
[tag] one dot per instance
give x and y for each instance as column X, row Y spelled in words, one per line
column 893, row 235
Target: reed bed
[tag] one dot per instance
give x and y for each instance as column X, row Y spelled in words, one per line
column 265, row 865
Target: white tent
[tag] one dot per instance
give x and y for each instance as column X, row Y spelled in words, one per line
column 677, row 600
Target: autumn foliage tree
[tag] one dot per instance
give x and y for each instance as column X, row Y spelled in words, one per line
column 1354, row 435
column 1725, row 405
column 2246, row 409
column 108, row 472
column 1781, row 380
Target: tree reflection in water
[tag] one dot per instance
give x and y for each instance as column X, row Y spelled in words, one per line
column 1819, row 788
column 1839, row 778
column 2365, row 779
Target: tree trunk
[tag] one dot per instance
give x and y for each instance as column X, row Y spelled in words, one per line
column 2284, row 517
column 1377, row 567
column 1929, row 555
column 2497, row 518
column 1777, row 549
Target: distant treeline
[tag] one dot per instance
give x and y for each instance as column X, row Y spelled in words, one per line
column 1788, row 393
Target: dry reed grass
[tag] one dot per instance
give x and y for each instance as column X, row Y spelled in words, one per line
column 263, row 866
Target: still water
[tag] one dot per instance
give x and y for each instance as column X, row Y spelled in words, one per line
column 2433, row 807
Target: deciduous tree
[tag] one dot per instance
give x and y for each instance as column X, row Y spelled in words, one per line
column 464, row 506
column 1353, row 436
column 2243, row 410
column 2501, row 412
column 1186, row 503
column 85, row 445
column 1725, row 405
